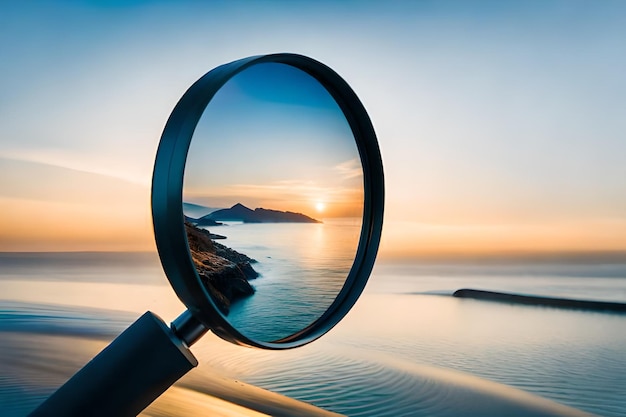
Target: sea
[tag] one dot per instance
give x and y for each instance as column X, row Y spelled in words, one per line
column 302, row 267
column 372, row 363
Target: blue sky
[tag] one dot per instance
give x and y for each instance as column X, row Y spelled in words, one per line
column 500, row 123
column 273, row 137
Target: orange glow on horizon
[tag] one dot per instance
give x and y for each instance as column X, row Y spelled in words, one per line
column 50, row 226
column 294, row 196
column 403, row 240
column 68, row 210
column 125, row 225
column 28, row 225
column 46, row 207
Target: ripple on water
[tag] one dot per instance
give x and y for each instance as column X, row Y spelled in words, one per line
column 356, row 383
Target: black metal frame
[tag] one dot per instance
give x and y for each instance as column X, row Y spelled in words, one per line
column 167, row 208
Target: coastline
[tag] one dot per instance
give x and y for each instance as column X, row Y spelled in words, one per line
column 600, row 306
column 223, row 271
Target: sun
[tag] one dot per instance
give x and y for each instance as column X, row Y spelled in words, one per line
column 319, row 206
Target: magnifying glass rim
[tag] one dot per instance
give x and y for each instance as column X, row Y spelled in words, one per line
column 167, row 199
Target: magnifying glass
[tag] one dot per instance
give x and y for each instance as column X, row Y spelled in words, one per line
column 267, row 203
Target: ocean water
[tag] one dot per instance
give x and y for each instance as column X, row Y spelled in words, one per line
column 302, row 268
column 373, row 363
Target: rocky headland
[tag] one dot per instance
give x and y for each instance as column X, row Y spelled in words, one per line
column 224, row 271
column 241, row 213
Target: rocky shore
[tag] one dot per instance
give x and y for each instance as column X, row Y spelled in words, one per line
column 224, row 271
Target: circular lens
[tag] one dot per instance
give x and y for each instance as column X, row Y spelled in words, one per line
column 268, row 200
column 273, row 200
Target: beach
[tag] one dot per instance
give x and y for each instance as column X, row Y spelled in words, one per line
column 408, row 347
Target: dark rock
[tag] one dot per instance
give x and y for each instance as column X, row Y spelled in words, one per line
column 199, row 239
column 223, row 271
column 230, row 283
column 231, row 254
column 247, row 270
column 275, row 216
column 206, row 221
column 608, row 306
column 241, row 213
column 238, row 212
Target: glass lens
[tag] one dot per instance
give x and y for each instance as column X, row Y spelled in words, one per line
column 273, row 200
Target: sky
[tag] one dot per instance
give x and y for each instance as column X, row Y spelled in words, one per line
column 274, row 137
column 500, row 123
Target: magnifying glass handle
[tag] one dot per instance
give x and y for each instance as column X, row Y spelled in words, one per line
column 123, row 379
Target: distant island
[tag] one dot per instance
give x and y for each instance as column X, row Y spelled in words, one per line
column 223, row 271
column 241, row 213
column 607, row 306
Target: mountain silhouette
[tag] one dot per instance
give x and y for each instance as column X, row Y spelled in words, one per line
column 241, row 213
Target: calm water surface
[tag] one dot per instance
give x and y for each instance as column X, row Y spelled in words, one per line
column 362, row 367
column 302, row 268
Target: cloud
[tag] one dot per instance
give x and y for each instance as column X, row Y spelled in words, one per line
column 349, row 169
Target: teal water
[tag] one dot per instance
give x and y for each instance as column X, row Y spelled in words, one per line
column 302, row 268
